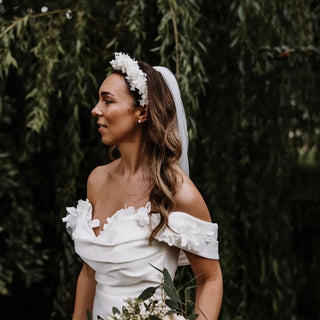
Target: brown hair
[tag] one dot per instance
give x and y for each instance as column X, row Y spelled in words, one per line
column 162, row 143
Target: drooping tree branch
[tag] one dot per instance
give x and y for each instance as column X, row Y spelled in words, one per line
column 176, row 39
column 32, row 16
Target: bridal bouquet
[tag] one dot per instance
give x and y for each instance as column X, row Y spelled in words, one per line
column 149, row 307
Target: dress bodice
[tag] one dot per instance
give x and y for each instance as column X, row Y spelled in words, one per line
column 121, row 255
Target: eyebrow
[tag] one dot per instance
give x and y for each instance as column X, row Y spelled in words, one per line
column 106, row 93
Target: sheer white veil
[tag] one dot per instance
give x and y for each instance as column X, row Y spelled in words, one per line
column 173, row 86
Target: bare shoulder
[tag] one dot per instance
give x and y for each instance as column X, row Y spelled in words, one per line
column 189, row 199
column 98, row 178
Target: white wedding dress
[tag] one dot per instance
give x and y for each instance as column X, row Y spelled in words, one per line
column 123, row 259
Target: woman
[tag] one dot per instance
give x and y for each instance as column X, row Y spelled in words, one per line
column 142, row 209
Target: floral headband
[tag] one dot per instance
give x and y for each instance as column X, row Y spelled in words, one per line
column 136, row 78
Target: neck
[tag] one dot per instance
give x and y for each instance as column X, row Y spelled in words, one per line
column 133, row 159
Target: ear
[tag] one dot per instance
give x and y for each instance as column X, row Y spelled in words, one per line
column 142, row 114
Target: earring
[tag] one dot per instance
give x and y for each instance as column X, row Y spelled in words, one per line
column 139, row 121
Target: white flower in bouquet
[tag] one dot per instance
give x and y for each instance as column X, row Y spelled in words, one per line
column 174, row 317
column 150, row 307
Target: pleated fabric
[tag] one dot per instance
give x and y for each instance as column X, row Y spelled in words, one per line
column 121, row 255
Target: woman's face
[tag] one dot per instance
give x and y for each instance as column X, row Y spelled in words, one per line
column 116, row 114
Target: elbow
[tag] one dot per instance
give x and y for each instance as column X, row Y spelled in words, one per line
column 210, row 277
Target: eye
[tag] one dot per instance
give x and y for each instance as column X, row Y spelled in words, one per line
column 106, row 101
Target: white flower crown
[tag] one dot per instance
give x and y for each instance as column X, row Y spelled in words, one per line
column 136, row 78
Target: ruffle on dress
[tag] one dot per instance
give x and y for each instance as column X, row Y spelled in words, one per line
column 128, row 224
column 191, row 234
column 74, row 213
column 84, row 211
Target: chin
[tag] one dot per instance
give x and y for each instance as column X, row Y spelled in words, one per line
column 109, row 142
column 106, row 142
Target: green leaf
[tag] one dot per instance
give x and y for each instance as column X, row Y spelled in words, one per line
column 115, row 310
column 153, row 317
column 171, row 293
column 241, row 67
column 147, row 293
column 167, row 278
column 89, row 315
column 156, row 268
column 241, row 14
column 172, row 312
column 235, row 41
column 264, row 48
column 192, row 316
column 172, row 304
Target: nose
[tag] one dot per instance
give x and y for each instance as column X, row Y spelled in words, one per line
column 96, row 111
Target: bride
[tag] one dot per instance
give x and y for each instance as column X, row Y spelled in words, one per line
column 142, row 209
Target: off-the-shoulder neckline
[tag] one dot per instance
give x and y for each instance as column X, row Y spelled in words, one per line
column 146, row 206
column 124, row 213
column 135, row 210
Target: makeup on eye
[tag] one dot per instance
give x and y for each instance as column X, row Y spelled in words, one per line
column 106, row 97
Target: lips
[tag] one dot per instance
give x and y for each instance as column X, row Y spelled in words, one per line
column 101, row 127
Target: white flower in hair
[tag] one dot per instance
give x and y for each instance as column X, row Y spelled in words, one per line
column 136, row 78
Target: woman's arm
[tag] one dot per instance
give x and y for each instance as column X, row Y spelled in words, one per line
column 208, row 274
column 209, row 289
column 86, row 286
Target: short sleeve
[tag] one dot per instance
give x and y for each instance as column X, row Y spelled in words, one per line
column 191, row 234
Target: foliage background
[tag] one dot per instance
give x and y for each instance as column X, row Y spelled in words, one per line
column 249, row 76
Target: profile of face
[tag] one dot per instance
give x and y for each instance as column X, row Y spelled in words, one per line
column 117, row 116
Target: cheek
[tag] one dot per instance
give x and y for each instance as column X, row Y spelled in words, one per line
column 119, row 116
column 113, row 116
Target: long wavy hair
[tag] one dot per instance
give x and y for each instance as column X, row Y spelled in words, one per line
column 161, row 142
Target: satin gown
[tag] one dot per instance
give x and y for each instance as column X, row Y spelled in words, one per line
column 121, row 256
